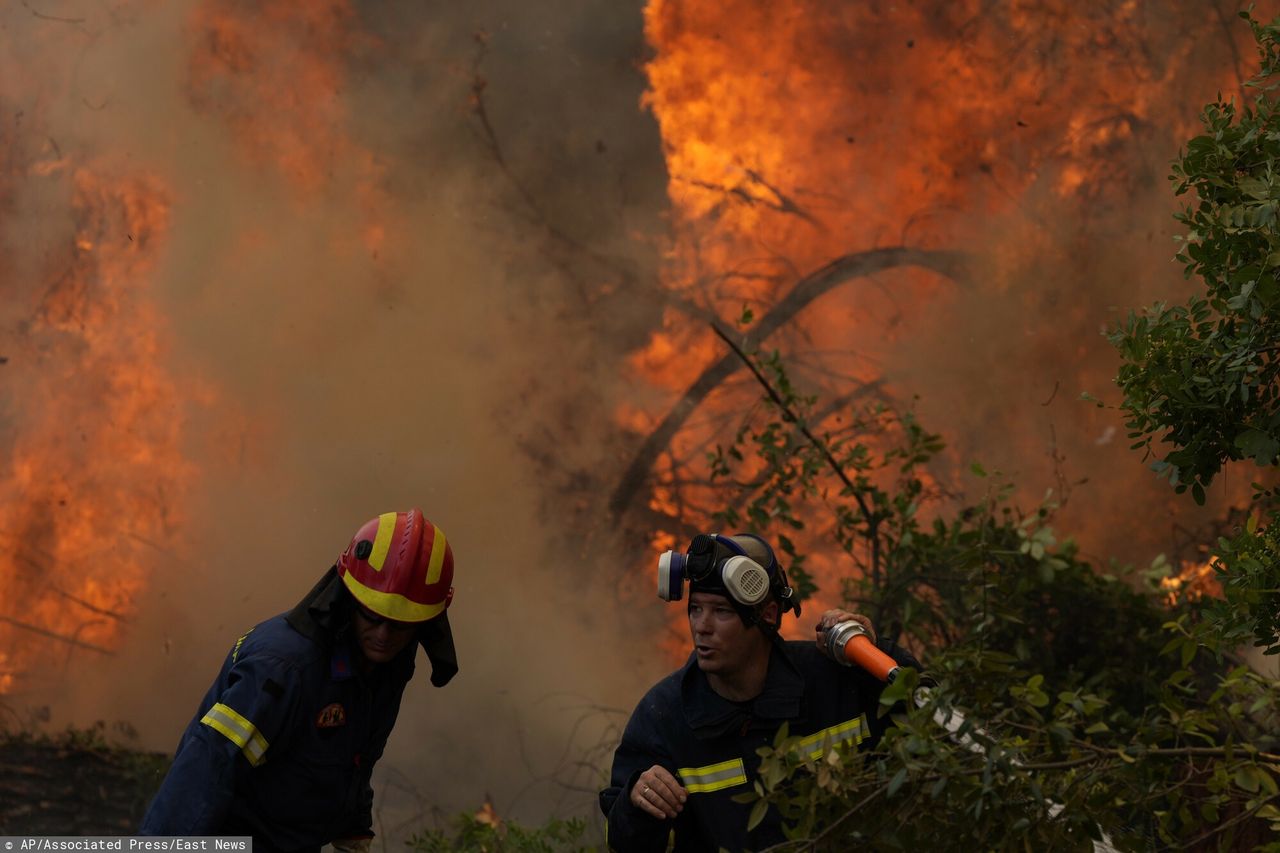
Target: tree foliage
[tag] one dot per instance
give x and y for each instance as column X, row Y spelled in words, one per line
column 1092, row 708
column 1089, row 705
column 1204, row 377
column 1070, row 709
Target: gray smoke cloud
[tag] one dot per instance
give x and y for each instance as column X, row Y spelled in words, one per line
column 372, row 300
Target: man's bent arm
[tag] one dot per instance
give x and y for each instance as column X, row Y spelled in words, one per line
column 197, row 792
column 233, row 735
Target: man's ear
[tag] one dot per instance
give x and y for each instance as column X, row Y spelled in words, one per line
column 770, row 614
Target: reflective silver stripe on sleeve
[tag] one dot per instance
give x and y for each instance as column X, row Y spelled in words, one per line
column 235, row 728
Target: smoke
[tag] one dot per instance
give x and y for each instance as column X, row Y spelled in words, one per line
column 392, row 274
column 413, row 255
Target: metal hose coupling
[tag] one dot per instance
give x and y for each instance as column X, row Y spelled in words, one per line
column 849, row 643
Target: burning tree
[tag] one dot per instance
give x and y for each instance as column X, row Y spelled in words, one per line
column 1110, row 714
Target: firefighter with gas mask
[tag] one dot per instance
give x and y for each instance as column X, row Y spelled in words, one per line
column 690, row 746
column 284, row 743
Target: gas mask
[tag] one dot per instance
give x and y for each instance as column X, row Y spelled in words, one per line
column 737, row 566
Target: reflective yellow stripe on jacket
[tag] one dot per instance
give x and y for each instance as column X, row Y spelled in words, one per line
column 713, row 777
column 238, row 730
column 820, row 743
column 726, row 774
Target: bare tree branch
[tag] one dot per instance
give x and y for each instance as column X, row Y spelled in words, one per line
column 949, row 263
column 44, row 632
column 792, row 417
column 45, row 17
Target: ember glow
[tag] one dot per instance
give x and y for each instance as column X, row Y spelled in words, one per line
column 1192, row 583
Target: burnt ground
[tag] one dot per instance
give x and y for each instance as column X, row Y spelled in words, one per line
column 74, row 784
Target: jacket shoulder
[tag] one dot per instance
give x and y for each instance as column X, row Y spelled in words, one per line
column 274, row 644
column 804, row 655
column 661, row 702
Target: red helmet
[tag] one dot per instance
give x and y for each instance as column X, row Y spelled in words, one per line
column 400, row 566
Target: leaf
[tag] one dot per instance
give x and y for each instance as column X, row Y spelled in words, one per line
column 1246, row 778
column 758, row 811
column 897, row 781
column 1267, row 781
column 1260, row 446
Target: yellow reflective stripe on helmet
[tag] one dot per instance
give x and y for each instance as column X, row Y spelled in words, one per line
column 235, row 728
column 382, row 541
column 819, row 743
column 438, row 547
column 389, row 604
column 713, row 777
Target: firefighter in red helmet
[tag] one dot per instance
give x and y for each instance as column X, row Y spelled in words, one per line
column 283, row 745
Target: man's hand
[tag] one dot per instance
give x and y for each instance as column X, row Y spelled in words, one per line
column 658, row 793
column 834, row 617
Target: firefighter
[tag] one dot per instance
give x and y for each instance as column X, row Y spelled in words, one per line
column 284, row 743
column 690, row 746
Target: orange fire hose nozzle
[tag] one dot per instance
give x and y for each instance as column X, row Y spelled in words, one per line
column 850, row 645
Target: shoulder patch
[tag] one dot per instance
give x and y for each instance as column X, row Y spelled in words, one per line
column 235, row 652
column 331, row 716
column 273, row 687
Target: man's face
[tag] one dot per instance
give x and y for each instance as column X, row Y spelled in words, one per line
column 722, row 643
column 380, row 640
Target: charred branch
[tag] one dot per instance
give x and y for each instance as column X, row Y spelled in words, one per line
column 779, row 202
column 74, row 599
column 45, row 17
column 808, row 289
column 748, row 490
column 562, row 247
column 44, row 632
column 791, row 417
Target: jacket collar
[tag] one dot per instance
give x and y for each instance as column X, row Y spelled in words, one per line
column 709, row 714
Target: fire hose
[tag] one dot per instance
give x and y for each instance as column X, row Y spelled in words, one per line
column 849, row 643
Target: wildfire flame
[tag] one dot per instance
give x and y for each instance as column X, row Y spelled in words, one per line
column 798, row 133
column 94, row 494
column 1192, row 583
column 94, row 490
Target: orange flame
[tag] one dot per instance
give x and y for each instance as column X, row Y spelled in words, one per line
column 1192, row 583
column 799, row 132
column 96, row 484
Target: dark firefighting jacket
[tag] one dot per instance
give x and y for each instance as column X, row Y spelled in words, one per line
column 284, row 743
column 709, row 743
